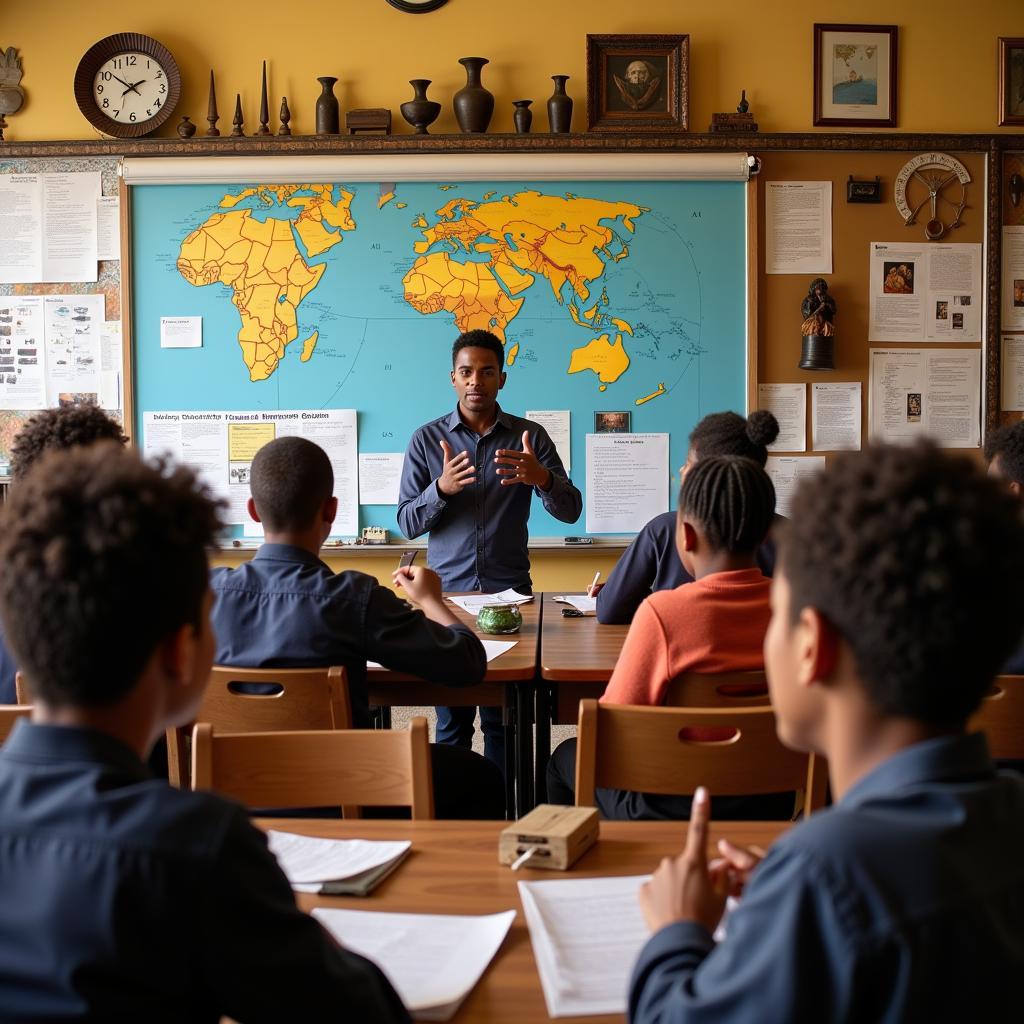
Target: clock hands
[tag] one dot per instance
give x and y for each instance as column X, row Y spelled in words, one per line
column 132, row 86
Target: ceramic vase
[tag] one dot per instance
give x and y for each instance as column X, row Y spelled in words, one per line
column 473, row 103
column 327, row 119
column 560, row 107
column 522, row 117
column 186, row 129
column 419, row 111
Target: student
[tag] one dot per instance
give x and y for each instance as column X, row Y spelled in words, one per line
column 468, row 480
column 651, row 562
column 124, row 898
column 896, row 599
column 285, row 608
column 715, row 624
column 52, row 430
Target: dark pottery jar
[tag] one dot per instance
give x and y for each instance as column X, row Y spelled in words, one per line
column 473, row 104
column 327, row 117
column 522, row 117
column 560, row 107
column 419, row 111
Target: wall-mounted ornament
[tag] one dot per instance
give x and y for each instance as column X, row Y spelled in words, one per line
column 238, row 121
column 937, row 180
column 186, row 129
column 420, row 112
column 285, row 117
column 327, row 112
column 560, row 107
column 740, row 122
column 212, row 116
column 12, row 96
column 522, row 116
column 863, row 191
column 817, row 351
column 473, row 103
column 264, row 128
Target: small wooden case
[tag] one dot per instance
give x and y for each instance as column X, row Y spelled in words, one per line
column 561, row 836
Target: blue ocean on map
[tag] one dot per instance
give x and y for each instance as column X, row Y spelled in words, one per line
column 862, row 92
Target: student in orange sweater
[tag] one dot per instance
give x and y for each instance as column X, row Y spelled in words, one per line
column 715, row 624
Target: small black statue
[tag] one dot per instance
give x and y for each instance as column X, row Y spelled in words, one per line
column 818, row 309
column 744, row 105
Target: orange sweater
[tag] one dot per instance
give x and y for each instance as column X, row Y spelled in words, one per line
column 715, row 624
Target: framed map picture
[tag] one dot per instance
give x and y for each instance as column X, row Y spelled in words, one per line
column 1011, row 81
column 855, row 76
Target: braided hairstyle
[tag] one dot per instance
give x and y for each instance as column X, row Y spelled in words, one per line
column 733, row 500
column 728, row 433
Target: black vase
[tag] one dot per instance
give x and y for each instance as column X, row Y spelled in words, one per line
column 473, row 103
column 522, row 116
column 419, row 111
column 327, row 120
column 560, row 107
column 818, row 352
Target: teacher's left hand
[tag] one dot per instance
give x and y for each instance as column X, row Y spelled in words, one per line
column 522, row 467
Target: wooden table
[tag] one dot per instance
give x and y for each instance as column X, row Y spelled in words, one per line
column 454, row 869
column 508, row 684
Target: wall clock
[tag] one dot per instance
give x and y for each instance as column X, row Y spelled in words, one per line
column 417, row 6
column 938, row 181
column 127, row 85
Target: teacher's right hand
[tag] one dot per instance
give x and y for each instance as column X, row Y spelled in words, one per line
column 458, row 472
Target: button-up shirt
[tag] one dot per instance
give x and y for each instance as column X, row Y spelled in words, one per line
column 122, row 898
column 903, row 902
column 285, row 608
column 478, row 537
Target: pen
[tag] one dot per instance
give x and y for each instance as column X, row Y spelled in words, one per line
column 590, row 589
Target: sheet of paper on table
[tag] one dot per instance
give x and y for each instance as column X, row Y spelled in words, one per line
column 472, row 603
column 433, row 960
column 318, row 865
column 582, row 603
column 492, row 648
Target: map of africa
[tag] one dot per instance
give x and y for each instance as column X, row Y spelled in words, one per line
column 609, row 296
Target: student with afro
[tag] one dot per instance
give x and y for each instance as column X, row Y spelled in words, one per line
column 651, row 563
column 895, row 600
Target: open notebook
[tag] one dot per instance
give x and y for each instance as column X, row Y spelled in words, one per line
column 335, row 867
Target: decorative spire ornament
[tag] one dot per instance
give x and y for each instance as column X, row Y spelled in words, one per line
column 264, row 128
column 286, row 116
column 236, row 121
column 211, row 109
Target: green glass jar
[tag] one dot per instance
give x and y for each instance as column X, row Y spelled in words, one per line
column 499, row 618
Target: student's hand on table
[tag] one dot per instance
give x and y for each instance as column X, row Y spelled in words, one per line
column 683, row 888
column 522, row 467
column 594, row 590
column 732, row 869
column 419, row 584
column 458, row 472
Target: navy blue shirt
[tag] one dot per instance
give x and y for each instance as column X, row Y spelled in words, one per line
column 124, row 898
column 652, row 563
column 286, row 609
column 903, row 902
column 8, row 693
column 478, row 537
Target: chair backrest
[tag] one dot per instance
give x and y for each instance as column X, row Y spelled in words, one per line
column 1001, row 718
column 718, row 690
column 304, row 698
column 22, row 696
column 660, row 750
column 9, row 714
column 365, row 767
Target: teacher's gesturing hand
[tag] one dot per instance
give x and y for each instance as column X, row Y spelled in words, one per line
column 457, row 472
column 522, row 467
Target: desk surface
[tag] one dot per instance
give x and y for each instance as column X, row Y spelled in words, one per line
column 577, row 650
column 454, row 869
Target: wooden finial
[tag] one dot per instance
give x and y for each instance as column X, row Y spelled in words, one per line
column 264, row 128
column 236, row 121
column 286, row 116
column 211, row 109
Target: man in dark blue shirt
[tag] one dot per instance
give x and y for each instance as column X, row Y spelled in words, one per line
column 468, row 480
column 122, row 897
column 895, row 601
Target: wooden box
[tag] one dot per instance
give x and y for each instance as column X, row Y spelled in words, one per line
column 559, row 835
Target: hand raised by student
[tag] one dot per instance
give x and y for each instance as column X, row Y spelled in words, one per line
column 522, row 467
column 419, row 584
column 682, row 889
column 732, row 869
column 458, row 472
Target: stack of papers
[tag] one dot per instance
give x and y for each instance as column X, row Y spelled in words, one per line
column 472, row 603
column 432, row 960
column 335, row 867
column 586, row 935
column 582, row 603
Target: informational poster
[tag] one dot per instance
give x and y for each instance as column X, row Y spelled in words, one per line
column 933, row 393
column 835, row 416
column 556, row 423
column 108, row 228
column 21, row 228
column 627, row 481
column 1012, row 373
column 929, row 292
column 22, row 352
column 798, row 227
column 786, row 472
column 380, row 474
column 181, row 332
column 1013, row 278
column 195, row 439
column 72, row 329
column 788, row 404
column 111, row 365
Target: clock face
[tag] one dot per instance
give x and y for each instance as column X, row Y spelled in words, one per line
column 130, row 88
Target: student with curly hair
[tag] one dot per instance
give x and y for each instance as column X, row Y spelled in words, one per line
column 895, row 601
column 651, row 563
column 124, row 898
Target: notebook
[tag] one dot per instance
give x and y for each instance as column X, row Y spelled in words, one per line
column 335, row 867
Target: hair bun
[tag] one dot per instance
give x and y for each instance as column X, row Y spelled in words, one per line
column 762, row 427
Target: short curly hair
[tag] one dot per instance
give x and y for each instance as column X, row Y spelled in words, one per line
column 62, row 428
column 104, row 557
column 480, row 339
column 916, row 558
column 1007, row 444
column 729, row 433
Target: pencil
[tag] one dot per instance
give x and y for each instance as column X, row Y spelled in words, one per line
column 590, row 589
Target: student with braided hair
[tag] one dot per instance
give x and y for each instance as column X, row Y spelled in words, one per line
column 651, row 562
column 715, row 624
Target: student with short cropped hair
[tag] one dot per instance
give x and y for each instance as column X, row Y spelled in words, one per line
column 124, row 898
column 895, row 600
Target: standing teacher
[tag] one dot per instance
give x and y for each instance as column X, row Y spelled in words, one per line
column 463, row 482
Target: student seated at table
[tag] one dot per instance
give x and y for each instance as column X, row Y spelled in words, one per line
column 51, row 430
column 651, row 563
column 896, row 599
column 124, row 898
column 715, row 624
column 285, row 608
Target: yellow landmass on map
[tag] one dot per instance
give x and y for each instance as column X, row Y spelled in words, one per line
column 308, row 346
column 384, row 199
column 263, row 266
column 653, row 394
column 510, row 355
column 622, row 325
column 401, row 206
column 608, row 359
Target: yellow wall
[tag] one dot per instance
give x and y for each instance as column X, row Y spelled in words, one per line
column 947, row 70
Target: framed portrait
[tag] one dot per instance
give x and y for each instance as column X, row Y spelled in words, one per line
column 855, row 76
column 1011, row 81
column 613, row 422
column 638, row 82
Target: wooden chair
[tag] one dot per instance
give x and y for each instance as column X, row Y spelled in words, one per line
column 21, row 689
column 365, row 767
column 649, row 750
column 718, row 690
column 308, row 698
column 1001, row 718
column 9, row 714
